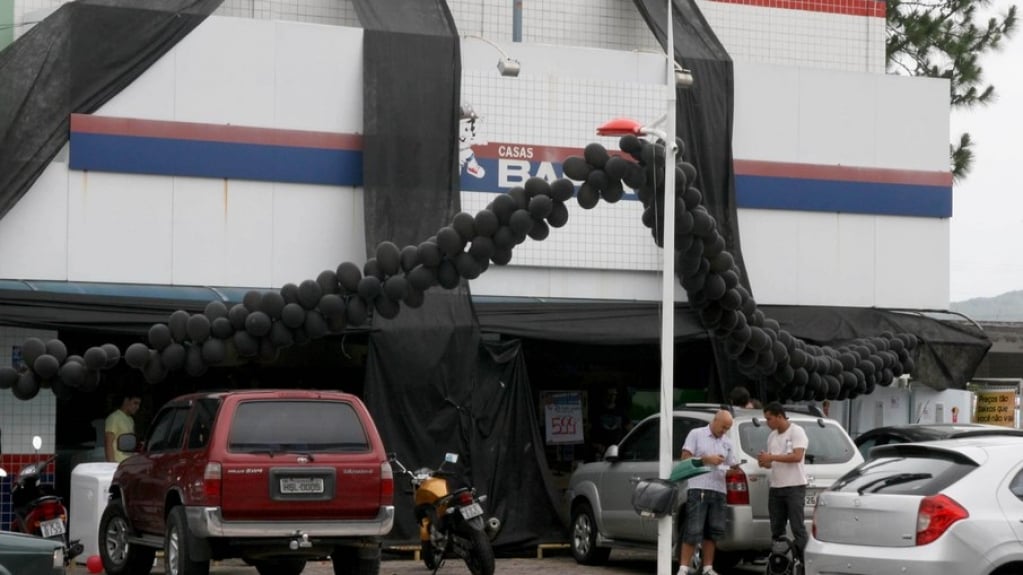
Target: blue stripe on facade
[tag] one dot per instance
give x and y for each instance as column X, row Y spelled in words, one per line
column 202, row 159
column 873, row 198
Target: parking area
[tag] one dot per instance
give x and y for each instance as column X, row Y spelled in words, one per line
column 620, row 563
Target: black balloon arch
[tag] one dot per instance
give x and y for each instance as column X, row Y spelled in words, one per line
column 265, row 322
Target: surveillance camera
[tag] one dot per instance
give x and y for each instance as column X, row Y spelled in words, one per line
column 508, row 67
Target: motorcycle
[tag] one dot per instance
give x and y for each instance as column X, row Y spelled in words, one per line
column 37, row 509
column 451, row 518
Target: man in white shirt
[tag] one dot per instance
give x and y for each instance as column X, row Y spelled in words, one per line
column 786, row 449
column 705, row 498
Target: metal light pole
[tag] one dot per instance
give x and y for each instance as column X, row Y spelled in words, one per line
column 667, row 297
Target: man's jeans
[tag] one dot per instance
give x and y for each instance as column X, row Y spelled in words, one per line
column 785, row 505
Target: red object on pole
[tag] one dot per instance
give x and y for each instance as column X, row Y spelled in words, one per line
column 620, row 127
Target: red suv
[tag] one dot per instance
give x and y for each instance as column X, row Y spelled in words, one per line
column 274, row 477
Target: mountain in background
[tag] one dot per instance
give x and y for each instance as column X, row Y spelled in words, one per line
column 1005, row 307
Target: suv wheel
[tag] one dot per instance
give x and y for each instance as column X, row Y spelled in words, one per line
column 584, row 537
column 286, row 566
column 175, row 547
column 118, row 556
column 356, row 560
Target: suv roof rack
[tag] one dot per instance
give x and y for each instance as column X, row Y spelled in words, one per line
column 804, row 409
column 713, row 407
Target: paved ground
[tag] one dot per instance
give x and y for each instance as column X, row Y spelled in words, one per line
column 621, row 563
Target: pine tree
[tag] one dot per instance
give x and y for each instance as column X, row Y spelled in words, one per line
column 947, row 39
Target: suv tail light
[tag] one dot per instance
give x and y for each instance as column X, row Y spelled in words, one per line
column 212, row 481
column 736, row 487
column 937, row 513
column 386, row 484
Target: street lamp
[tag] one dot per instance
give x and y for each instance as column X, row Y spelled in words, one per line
column 507, row 66
column 675, row 76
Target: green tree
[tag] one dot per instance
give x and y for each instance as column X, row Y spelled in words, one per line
column 947, row 39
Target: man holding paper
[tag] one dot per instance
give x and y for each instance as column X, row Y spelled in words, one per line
column 705, row 499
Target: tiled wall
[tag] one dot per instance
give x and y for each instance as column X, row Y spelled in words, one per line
column 831, row 34
column 20, row 420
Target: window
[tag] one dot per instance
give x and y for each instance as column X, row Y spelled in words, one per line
column 1016, row 485
column 205, row 411
column 168, row 429
column 909, row 473
column 303, row 426
column 644, row 443
column 828, row 444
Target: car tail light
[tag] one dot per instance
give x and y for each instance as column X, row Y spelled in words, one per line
column 212, row 481
column 937, row 513
column 465, row 498
column 386, row 484
column 736, row 487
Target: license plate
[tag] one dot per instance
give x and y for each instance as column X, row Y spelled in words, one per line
column 301, row 485
column 52, row 528
column 810, row 499
column 470, row 511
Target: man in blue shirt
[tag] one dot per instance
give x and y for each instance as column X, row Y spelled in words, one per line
column 705, row 499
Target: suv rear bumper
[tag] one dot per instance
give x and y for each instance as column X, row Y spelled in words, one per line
column 744, row 533
column 209, row 522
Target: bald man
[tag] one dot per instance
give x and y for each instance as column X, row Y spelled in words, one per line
column 705, row 500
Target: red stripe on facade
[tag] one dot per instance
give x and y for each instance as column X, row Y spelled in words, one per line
column 89, row 124
column 874, row 8
column 842, row 173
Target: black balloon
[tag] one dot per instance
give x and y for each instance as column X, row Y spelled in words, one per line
column 96, row 358
column 31, row 349
column 464, row 224
column 159, row 337
column 113, row 355
column 348, row 275
column 173, row 357
column 8, row 377
column 46, row 366
column 258, row 324
column 136, row 355
column 215, row 309
column 72, row 374
column 198, row 328
column 221, row 327
column 309, row 294
column 389, row 257
column 251, row 300
column 273, row 302
column 57, row 349
column 27, row 386
column 237, row 315
column 357, row 311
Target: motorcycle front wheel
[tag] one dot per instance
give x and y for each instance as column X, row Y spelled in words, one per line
column 480, row 558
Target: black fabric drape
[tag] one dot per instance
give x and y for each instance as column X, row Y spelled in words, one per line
column 411, row 92
column 704, row 118
column 74, row 61
column 509, row 450
column 432, row 387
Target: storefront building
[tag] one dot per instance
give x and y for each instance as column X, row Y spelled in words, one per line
column 237, row 161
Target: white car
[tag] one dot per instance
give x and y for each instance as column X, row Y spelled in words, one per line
column 600, row 493
column 949, row 506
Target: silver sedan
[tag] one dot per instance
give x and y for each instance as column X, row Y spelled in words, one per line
column 951, row 506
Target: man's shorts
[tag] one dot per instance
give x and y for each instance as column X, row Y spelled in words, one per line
column 705, row 516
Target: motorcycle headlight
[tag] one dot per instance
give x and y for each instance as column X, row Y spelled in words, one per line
column 58, row 558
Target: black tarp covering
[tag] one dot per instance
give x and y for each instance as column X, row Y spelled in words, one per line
column 948, row 355
column 74, row 61
column 411, row 91
column 433, row 387
column 704, row 118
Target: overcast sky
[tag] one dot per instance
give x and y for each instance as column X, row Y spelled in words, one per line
column 987, row 213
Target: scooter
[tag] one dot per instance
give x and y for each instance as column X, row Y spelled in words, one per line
column 37, row 510
column 451, row 518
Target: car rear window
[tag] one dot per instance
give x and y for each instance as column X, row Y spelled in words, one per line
column 827, row 445
column 920, row 474
column 304, row 426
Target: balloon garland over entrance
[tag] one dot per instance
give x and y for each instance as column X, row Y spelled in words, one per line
column 265, row 322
